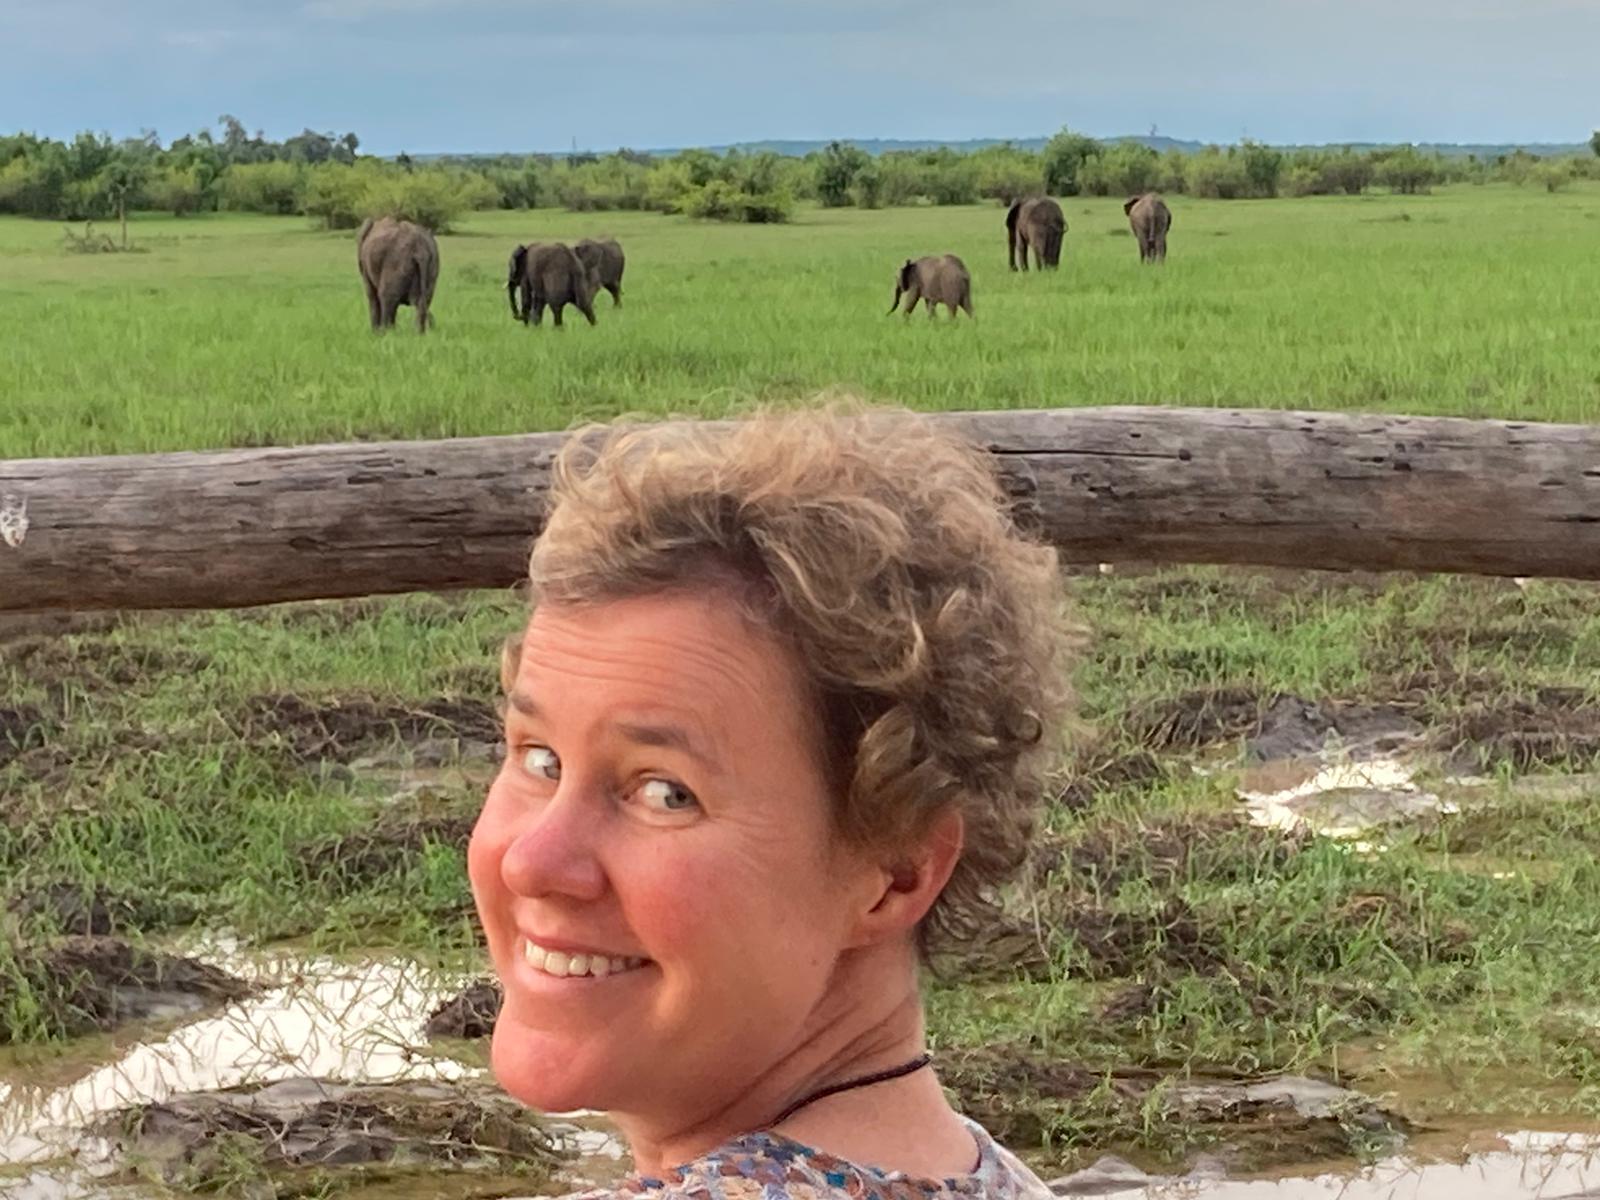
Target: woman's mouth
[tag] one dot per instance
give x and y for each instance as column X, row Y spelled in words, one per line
column 561, row 965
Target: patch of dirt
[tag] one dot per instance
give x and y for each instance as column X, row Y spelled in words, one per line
column 1118, row 945
column 1197, row 718
column 84, row 910
column 396, row 840
column 23, row 727
column 1027, row 1100
column 81, row 984
column 1093, row 774
column 471, row 1014
column 238, row 1139
column 97, row 663
column 1208, row 847
column 1273, row 726
column 350, row 726
column 1557, row 726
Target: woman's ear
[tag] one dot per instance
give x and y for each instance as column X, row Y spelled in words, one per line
column 909, row 883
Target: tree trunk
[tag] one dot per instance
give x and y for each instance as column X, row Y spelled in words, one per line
column 1326, row 490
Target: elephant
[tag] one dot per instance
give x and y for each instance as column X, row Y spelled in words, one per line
column 605, row 262
column 1038, row 223
column 1150, row 218
column 548, row 274
column 399, row 264
column 936, row 280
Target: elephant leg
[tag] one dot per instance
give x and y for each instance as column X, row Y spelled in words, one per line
column 390, row 305
column 538, row 311
column 374, row 308
column 556, row 309
column 932, row 306
column 586, row 307
column 1022, row 245
column 616, row 295
column 422, row 314
column 913, row 298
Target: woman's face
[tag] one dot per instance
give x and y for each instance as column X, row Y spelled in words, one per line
column 654, row 865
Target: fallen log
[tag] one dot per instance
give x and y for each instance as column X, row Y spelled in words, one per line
column 1292, row 489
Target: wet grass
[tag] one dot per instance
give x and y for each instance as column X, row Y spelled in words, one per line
column 244, row 772
column 238, row 330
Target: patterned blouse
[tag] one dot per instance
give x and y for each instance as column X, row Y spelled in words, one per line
column 768, row 1166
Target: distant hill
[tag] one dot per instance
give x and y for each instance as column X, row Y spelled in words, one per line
column 800, row 148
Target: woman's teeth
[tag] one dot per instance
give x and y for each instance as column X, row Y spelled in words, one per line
column 568, row 966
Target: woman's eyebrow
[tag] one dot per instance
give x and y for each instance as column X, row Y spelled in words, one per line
column 664, row 735
column 668, row 737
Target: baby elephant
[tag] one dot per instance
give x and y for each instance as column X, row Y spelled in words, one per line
column 936, row 280
column 1150, row 218
column 549, row 275
column 604, row 260
column 399, row 265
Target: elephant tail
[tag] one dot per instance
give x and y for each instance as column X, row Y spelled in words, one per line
column 1052, row 246
column 366, row 228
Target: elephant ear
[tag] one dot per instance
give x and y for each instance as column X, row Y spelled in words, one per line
column 1127, row 206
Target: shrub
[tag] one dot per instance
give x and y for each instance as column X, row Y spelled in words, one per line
column 268, row 187
column 835, row 169
column 1406, row 170
column 1007, row 174
column 866, row 189
column 177, row 190
column 336, row 195
column 1125, row 169
column 1064, row 158
column 432, row 198
column 1216, row 175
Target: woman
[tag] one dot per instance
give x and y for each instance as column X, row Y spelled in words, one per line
column 775, row 730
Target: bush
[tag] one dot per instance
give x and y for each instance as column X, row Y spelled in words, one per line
column 866, row 189
column 1216, row 175
column 721, row 200
column 1064, row 159
column 268, row 187
column 337, row 195
column 1007, row 174
column 901, row 179
column 1125, row 169
column 835, row 169
column 1406, row 170
column 1554, row 173
column 605, row 185
column 432, row 198
column 177, row 190
column 1263, row 166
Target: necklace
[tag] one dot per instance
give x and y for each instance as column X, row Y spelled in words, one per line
column 833, row 1089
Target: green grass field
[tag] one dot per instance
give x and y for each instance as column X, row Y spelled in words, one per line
column 239, row 771
column 238, row 330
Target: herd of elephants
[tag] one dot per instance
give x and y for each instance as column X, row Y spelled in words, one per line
column 400, row 264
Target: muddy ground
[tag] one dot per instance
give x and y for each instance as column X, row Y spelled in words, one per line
column 1171, row 978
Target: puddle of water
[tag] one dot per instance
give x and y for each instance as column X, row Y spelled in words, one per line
column 1338, row 800
column 1536, row 1166
column 318, row 1018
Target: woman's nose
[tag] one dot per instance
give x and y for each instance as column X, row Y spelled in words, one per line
column 554, row 850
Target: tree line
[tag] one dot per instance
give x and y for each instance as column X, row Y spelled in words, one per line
column 323, row 176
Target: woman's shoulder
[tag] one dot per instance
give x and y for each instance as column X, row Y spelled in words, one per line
column 764, row 1166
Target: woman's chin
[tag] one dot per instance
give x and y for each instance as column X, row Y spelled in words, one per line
column 535, row 1070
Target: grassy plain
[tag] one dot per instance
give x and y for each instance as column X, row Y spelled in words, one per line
column 236, row 330
column 239, row 771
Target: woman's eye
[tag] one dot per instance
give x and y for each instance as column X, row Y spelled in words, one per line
column 662, row 795
column 541, row 762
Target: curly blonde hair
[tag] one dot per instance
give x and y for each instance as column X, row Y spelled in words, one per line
column 879, row 547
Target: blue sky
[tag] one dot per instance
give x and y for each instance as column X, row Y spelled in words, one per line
column 482, row 75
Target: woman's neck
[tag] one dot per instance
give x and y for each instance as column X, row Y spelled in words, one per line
column 870, row 1021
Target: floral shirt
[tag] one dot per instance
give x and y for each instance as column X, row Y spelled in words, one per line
column 768, row 1166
